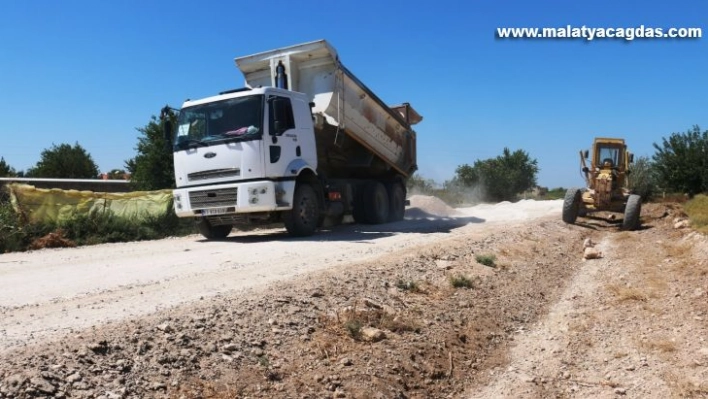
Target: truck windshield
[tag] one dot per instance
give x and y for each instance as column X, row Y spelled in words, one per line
column 236, row 119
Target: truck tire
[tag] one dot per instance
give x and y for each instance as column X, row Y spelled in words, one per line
column 632, row 211
column 358, row 213
column 302, row 220
column 396, row 202
column 212, row 232
column 376, row 204
column 571, row 205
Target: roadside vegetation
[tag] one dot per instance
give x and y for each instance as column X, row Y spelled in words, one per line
column 697, row 211
column 677, row 171
column 90, row 229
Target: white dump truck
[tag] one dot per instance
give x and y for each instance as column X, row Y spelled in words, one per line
column 303, row 143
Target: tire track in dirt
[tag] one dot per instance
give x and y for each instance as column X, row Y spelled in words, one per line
column 628, row 325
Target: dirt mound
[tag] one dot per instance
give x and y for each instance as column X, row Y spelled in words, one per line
column 427, row 206
column 54, row 239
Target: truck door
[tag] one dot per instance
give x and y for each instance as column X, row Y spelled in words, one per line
column 282, row 143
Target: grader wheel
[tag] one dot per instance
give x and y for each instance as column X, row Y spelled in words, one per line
column 571, row 205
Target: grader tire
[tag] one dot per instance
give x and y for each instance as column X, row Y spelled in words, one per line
column 571, row 205
column 632, row 211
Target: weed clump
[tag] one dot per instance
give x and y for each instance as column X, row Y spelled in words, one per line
column 410, row 286
column 697, row 210
column 486, row 260
column 460, row 281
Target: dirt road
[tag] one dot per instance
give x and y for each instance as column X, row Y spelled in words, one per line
column 47, row 293
column 404, row 310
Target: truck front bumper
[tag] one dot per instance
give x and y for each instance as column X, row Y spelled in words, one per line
column 224, row 199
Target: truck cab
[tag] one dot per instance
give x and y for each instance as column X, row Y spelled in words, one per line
column 239, row 153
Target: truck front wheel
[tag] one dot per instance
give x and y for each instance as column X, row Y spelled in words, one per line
column 212, row 232
column 301, row 221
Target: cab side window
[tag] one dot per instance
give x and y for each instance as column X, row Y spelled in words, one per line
column 280, row 111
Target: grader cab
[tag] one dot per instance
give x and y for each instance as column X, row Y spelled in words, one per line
column 606, row 189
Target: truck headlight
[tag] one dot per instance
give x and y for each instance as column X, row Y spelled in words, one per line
column 255, row 193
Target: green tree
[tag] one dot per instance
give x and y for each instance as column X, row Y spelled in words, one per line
column 501, row 178
column 681, row 162
column 642, row 178
column 153, row 166
column 65, row 161
column 6, row 170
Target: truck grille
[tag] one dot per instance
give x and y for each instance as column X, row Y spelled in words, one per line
column 213, row 198
column 215, row 173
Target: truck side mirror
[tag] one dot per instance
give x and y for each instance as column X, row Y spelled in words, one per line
column 165, row 114
column 587, row 154
column 631, row 158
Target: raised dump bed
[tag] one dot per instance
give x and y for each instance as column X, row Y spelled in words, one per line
column 342, row 105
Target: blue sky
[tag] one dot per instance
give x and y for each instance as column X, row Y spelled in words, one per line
column 93, row 71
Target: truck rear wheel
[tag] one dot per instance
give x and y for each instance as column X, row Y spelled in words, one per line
column 397, row 202
column 302, row 220
column 212, row 232
column 376, row 204
column 632, row 211
column 571, row 205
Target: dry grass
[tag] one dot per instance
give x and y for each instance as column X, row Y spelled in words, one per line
column 55, row 239
column 583, row 324
column 623, row 236
column 656, row 284
column 681, row 387
column 351, row 321
column 660, row 345
column 624, row 293
column 673, row 250
column 697, row 210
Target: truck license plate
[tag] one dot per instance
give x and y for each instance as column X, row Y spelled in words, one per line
column 214, row 211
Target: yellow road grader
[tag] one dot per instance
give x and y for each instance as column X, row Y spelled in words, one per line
column 607, row 185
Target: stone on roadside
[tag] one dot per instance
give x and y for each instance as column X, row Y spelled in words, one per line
column 682, row 224
column 591, row 253
column 371, row 334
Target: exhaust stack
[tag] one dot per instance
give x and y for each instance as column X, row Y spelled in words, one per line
column 281, row 78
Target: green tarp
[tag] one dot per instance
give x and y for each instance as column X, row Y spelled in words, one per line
column 52, row 205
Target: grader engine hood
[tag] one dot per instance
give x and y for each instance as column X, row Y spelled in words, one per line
column 603, row 188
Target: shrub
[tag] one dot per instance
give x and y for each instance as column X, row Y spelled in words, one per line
column 460, row 281
column 353, row 328
column 486, row 260
column 403, row 285
column 697, row 210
